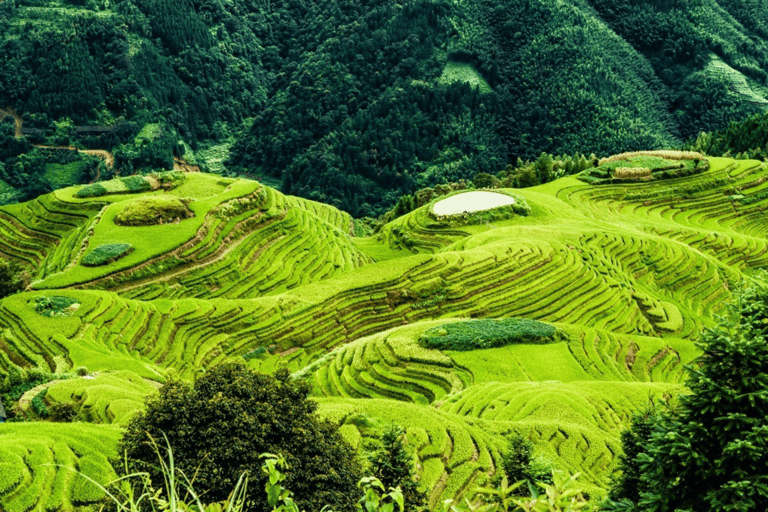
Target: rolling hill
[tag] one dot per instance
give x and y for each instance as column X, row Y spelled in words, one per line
column 187, row 270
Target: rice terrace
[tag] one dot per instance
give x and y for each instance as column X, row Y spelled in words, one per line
column 556, row 315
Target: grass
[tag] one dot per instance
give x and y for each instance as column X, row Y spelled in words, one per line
column 111, row 397
column 149, row 131
column 39, row 463
column 148, row 241
column 628, row 273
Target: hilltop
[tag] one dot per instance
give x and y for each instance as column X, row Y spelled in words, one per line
column 357, row 103
column 142, row 279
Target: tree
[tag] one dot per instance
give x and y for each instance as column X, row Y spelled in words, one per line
column 12, row 280
column 711, row 452
column 519, row 463
column 628, row 484
column 392, row 464
column 218, row 427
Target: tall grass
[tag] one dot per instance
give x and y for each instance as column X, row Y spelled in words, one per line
column 134, row 492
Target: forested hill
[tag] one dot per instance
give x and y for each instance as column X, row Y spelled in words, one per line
column 355, row 102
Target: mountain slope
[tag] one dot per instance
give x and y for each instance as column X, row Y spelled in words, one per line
column 627, row 273
column 356, row 103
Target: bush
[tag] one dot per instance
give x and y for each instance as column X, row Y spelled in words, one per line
column 150, row 211
column 477, row 334
column 105, row 254
column 218, row 427
column 136, row 184
column 54, row 305
column 38, row 404
column 93, row 190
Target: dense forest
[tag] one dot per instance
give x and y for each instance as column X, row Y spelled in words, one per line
column 357, row 103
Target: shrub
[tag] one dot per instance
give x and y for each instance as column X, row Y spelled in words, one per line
column 218, row 427
column 93, row 190
column 253, row 354
column 105, row 254
column 54, row 305
column 38, row 404
column 136, row 184
column 148, row 211
column 488, row 333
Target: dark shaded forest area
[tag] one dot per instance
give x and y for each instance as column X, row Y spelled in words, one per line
column 359, row 102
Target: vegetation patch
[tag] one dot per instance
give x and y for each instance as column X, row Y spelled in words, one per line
column 487, row 333
column 55, row 305
column 136, row 184
column 150, row 211
column 106, row 254
column 92, row 190
column 644, row 166
column 466, row 73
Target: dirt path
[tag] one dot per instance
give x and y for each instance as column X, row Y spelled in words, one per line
column 105, row 155
column 108, row 158
column 17, row 121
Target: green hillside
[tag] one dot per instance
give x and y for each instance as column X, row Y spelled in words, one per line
column 622, row 272
column 358, row 103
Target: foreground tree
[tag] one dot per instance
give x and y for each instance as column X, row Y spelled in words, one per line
column 711, row 452
column 392, row 463
column 218, row 428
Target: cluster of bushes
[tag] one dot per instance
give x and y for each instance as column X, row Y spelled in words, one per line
column 55, row 305
column 92, row 190
column 259, row 352
column 12, row 278
column 105, row 254
column 152, row 210
column 136, row 184
column 487, row 333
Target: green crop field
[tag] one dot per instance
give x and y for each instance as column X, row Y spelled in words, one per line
column 612, row 283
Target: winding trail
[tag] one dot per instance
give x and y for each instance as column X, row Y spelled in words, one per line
column 179, row 164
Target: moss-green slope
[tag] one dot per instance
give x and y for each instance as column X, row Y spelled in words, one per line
column 628, row 273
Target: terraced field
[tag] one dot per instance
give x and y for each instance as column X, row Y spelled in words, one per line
column 629, row 274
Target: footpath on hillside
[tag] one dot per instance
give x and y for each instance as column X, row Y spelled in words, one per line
column 179, row 164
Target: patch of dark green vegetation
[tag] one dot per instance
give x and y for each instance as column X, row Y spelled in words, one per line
column 106, row 254
column 136, row 184
column 487, row 333
column 152, row 210
column 54, row 305
column 641, row 168
column 92, row 190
